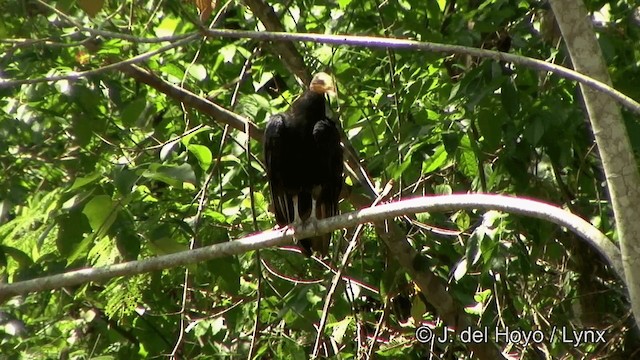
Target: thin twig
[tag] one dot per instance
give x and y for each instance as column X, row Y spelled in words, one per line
column 103, row 69
column 364, row 41
column 405, row 44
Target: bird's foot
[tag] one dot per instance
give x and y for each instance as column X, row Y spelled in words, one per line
column 297, row 222
column 313, row 217
column 313, row 222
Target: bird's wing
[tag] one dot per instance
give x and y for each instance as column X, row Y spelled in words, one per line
column 274, row 142
column 327, row 139
column 329, row 170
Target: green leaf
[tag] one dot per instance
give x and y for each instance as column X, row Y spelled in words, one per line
column 344, row 3
column 227, row 269
column 340, row 328
column 133, row 111
column 436, row 161
column 127, row 239
column 228, row 52
column 85, row 180
column 467, row 160
column 534, row 131
column 418, row 309
column 101, row 213
column 81, row 250
column 165, row 240
column 475, row 309
column 86, row 99
column 482, row 296
column 203, row 154
column 3, row 257
column 442, row 189
column 82, row 130
column 490, row 127
column 167, row 26
column 171, row 174
column 173, row 70
column 124, row 180
column 77, row 199
column 397, row 170
column 451, row 141
column 198, row 71
column 217, row 325
column 73, row 227
column 509, row 96
column 112, row 47
column 215, row 216
column 412, row 115
column 264, row 79
column 186, row 140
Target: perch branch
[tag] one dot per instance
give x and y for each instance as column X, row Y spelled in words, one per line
column 378, row 213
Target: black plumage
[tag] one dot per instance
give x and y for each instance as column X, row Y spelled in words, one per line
column 303, row 158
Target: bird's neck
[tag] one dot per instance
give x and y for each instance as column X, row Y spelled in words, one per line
column 309, row 108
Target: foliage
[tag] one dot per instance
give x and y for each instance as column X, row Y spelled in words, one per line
column 97, row 171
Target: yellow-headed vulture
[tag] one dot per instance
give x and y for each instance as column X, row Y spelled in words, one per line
column 304, row 162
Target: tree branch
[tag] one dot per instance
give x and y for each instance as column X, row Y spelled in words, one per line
column 445, row 305
column 403, row 44
column 285, row 50
column 88, row 73
column 266, row 239
column 377, row 42
column 192, row 100
column 448, row 308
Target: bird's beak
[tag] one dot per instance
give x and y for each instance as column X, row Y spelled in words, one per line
column 322, row 83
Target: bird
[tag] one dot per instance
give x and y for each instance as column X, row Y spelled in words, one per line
column 303, row 161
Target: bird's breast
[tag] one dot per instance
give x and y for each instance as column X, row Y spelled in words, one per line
column 301, row 159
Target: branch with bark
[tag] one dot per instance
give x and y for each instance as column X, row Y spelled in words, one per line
column 445, row 305
column 369, row 42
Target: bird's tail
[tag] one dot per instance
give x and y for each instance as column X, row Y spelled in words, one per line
column 319, row 244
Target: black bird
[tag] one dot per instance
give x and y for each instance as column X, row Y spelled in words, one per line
column 304, row 162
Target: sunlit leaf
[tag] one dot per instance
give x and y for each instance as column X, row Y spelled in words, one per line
column 173, row 175
column 101, row 213
column 85, row 180
column 198, row 71
column 203, row 154
column 460, row 270
column 73, row 227
column 109, row 136
column 167, row 26
column 173, row 70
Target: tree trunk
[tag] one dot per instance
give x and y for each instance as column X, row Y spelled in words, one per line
column 619, row 164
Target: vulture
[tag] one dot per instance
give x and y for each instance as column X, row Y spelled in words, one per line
column 303, row 161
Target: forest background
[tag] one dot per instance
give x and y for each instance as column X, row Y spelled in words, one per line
column 132, row 130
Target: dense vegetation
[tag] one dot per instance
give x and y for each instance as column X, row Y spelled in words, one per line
column 110, row 166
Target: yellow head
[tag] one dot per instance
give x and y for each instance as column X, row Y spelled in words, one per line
column 322, row 83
